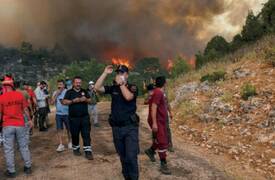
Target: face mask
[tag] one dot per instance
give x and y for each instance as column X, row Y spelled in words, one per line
column 122, row 78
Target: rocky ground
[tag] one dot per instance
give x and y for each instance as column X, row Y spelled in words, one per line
column 188, row 162
column 215, row 117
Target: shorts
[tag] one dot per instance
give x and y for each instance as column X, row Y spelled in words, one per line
column 60, row 120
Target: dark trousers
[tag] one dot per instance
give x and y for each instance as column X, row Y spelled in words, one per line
column 126, row 142
column 81, row 125
column 42, row 113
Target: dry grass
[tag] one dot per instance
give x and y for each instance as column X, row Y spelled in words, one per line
column 251, row 53
column 252, row 59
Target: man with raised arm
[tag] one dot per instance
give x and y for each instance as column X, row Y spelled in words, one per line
column 123, row 118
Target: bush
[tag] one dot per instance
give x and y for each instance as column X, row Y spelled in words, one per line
column 248, row 90
column 227, row 97
column 270, row 56
column 180, row 67
column 215, row 76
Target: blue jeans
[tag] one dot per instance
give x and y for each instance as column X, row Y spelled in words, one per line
column 126, row 142
column 11, row 133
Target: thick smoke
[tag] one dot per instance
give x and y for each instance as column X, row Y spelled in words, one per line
column 103, row 29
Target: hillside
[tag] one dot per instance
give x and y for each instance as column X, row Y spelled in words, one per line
column 215, row 116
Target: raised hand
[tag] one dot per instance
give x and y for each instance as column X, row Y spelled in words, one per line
column 108, row 69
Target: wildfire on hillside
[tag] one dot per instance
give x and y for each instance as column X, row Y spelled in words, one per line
column 191, row 61
column 170, row 65
column 121, row 61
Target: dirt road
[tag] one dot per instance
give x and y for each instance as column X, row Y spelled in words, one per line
column 50, row 165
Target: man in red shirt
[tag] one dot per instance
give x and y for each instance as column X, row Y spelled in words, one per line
column 13, row 106
column 157, row 119
column 32, row 102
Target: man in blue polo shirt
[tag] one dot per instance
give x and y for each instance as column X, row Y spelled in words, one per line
column 61, row 115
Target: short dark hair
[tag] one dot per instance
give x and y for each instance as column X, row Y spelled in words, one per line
column 17, row 84
column 77, row 77
column 150, row 87
column 61, row 81
column 43, row 83
column 160, row 81
column 26, row 83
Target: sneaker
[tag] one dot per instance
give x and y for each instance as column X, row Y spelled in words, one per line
column 10, row 174
column 164, row 169
column 77, row 152
column 89, row 155
column 60, row 148
column 27, row 170
column 151, row 154
column 70, row 145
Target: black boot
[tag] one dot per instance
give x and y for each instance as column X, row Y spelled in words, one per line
column 151, row 154
column 27, row 170
column 77, row 152
column 164, row 168
column 89, row 155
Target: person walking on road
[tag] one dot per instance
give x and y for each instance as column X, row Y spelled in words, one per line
column 123, row 119
column 157, row 119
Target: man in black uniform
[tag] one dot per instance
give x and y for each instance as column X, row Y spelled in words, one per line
column 123, row 119
column 78, row 99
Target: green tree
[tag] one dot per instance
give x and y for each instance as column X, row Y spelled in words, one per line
column 268, row 16
column 59, row 55
column 200, row 60
column 236, row 43
column 150, row 67
column 253, row 29
column 180, row 67
column 217, row 44
column 26, row 49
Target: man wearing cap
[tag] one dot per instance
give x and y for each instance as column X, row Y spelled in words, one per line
column 123, row 119
column 92, row 106
column 13, row 106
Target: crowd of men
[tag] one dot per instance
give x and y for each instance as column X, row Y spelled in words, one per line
column 22, row 109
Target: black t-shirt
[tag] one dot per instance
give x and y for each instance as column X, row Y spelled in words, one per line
column 77, row 109
column 121, row 109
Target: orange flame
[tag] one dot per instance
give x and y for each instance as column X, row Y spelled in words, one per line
column 121, row 61
column 170, row 64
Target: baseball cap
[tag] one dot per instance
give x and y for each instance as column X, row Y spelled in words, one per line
column 122, row 68
column 8, row 81
column 91, row 82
